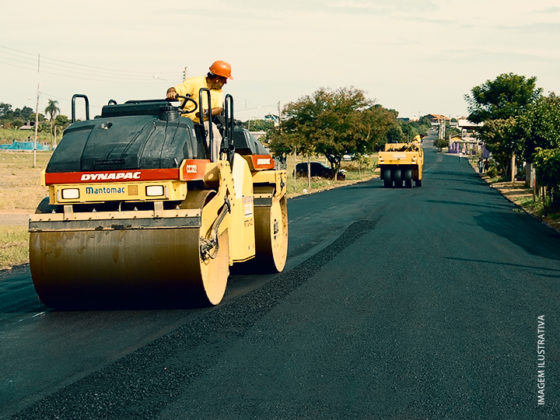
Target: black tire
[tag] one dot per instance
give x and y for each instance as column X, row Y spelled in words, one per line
column 44, row 207
column 418, row 183
column 408, row 178
column 386, row 176
column 397, row 177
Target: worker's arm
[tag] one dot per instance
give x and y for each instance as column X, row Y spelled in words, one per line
column 215, row 111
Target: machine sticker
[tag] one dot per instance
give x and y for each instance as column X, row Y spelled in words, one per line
column 261, row 162
column 114, row 176
column 248, row 206
column 110, row 176
column 193, row 169
column 105, row 190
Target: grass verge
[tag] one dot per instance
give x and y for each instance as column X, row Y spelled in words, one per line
column 21, row 182
column 13, row 246
column 521, row 195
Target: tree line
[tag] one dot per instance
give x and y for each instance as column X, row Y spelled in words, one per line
column 519, row 121
column 334, row 123
column 51, row 121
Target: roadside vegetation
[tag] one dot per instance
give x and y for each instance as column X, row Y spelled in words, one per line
column 20, row 193
column 21, row 182
column 520, row 124
column 13, row 246
column 49, row 131
column 335, row 123
column 356, row 171
column 520, row 194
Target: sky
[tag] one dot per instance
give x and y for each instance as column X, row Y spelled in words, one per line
column 414, row 56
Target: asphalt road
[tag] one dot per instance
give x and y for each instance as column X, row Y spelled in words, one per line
column 395, row 303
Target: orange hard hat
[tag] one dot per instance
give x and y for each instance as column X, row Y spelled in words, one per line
column 221, row 68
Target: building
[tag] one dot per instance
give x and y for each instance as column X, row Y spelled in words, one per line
column 435, row 119
column 468, row 142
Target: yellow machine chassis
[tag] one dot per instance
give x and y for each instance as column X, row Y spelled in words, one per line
column 181, row 255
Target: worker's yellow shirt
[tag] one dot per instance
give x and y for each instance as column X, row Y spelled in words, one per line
column 191, row 87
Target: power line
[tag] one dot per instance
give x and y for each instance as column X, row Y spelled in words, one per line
column 65, row 68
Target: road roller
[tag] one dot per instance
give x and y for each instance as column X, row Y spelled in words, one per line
column 401, row 163
column 142, row 208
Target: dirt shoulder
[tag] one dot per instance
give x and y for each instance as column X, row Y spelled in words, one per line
column 15, row 218
column 522, row 196
column 333, row 185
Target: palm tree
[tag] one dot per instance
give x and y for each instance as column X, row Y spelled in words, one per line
column 52, row 109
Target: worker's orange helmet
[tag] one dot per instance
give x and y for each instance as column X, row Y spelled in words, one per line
column 221, row 68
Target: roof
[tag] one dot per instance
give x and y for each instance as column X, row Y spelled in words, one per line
column 438, row 117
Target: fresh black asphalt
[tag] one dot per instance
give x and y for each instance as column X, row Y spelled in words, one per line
column 396, row 303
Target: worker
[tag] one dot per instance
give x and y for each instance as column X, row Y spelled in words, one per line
column 218, row 75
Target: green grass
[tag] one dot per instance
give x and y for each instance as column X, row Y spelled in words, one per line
column 354, row 173
column 13, row 246
column 9, row 134
column 21, row 182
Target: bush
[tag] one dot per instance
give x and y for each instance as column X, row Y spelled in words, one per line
column 492, row 171
column 547, row 166
column 440, row 144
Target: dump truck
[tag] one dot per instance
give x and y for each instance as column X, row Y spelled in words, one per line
column 140, row 210
column 401, row 163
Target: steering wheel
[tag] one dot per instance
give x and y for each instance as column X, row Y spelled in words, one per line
column 187, row 100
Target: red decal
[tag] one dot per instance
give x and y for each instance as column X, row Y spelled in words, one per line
column 111, row 176
column 192, row 169
column 261, row 162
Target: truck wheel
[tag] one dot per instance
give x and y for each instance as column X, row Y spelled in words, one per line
column 397, row 177
column 408, row 178
column 386, row 176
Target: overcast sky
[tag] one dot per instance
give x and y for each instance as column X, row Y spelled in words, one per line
column 415, row 56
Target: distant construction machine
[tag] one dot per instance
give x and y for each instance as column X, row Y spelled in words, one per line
column 140, row 209
column 401, row 163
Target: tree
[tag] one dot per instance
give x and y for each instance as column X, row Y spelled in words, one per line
column 506, row 96
column 540, row 125
column 498, row 103
column 259, row 125
column 547, row 166
column 52, row 110
column 333, row 123
column 502, row 138
column 381, row 122
column 5, row 110
column 25, row 113
column 395, row 135
column 441, row 144
column 281, row 144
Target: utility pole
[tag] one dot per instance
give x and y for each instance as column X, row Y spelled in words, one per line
column 295, row 149
column 36, row 113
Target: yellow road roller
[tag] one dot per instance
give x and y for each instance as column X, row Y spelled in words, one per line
column 140, row 209
column 401, row 163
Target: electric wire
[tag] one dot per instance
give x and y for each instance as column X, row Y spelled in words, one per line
column 65, row 68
